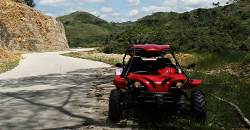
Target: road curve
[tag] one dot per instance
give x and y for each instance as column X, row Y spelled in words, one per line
column 51, row 91
column 35, row 64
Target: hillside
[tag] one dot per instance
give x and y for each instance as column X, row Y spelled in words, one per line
column 213, row 30
column 84, row 29
column 23, row 28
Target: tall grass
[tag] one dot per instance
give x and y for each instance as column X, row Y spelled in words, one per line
column 232, row 87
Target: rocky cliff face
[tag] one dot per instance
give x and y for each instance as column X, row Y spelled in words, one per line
column 23, row 28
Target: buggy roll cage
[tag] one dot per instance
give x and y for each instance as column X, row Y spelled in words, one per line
column 127, row 68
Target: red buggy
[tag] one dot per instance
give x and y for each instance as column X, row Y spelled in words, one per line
column 153, row 76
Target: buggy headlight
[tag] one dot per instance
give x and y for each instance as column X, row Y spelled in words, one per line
column 179, row 84
column 137, row 84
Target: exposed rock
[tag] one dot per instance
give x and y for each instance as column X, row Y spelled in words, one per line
column 24, row 28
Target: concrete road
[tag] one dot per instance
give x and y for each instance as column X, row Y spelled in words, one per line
column 51, row 91
column 34, row 64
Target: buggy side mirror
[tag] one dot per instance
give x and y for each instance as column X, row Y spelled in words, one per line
column 118, row 65
column 190, row 66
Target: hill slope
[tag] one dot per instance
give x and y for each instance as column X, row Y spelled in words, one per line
column 84, row 29
column 216, row 29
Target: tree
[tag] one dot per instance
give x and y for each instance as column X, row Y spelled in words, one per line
column 217, row 4
column 30, row 3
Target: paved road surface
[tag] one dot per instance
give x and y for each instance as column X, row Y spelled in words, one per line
column 50, row 91
column 35, row 64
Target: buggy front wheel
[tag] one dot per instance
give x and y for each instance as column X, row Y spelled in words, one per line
column 198, row 105
column 115, row 109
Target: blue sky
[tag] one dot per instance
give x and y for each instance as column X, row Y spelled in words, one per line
column 120, row 10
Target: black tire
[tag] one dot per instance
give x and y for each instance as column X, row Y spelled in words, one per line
column 115, row 109
column 198, row 105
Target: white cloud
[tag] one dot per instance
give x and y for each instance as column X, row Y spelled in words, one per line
column 133, row 13
column 187, row 5
column 115, row 14
column 153, row 9
column 103, row 16
column 45, row 2
column 133, row 2
column 93, row 12
column 94, row 1
column 49, row 2
column 106, row 10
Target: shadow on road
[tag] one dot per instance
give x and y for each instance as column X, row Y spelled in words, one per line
column 68, row 100
column 73, row 100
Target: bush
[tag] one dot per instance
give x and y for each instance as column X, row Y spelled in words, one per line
column 246, row 59
column 30, row 3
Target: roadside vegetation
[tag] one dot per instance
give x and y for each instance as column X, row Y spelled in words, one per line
column 8, row 60
column 97, row 56
column 30, row 3
column 226, row 75
column 211, row 30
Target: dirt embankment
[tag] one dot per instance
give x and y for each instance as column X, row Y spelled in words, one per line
column 24, row 28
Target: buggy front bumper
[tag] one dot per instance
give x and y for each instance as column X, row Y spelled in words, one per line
column 156, row 98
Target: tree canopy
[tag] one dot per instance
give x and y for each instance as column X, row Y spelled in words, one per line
column 30, row 3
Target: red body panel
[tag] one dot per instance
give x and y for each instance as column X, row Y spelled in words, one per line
column 120, row 82
column 167, row 71
column 151, row 47
column 157, row 83
column 193, row 83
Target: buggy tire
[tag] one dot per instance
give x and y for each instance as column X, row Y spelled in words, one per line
column 198, row 105
column 115, row 108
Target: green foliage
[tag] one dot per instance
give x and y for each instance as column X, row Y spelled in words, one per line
column 85, row 30
column 30, row 3
column 246, row 59
column 211, row 30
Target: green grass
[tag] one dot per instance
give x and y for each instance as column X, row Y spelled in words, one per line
column 9, row 63
column 207, row 61
column 232, row 87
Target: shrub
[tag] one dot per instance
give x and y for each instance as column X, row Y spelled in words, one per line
column 30, row 3
column 246, row 59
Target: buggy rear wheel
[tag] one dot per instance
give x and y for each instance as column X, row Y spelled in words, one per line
column 115, row 108
column 198, row 105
